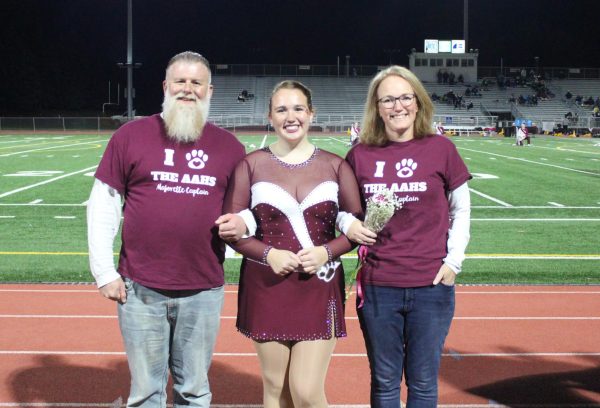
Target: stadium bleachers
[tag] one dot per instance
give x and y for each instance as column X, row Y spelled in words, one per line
column 339, row 101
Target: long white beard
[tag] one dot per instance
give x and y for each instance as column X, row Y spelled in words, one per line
column 184, row 122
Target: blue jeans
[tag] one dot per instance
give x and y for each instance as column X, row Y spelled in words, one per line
column 404, row 331
column 169, row 330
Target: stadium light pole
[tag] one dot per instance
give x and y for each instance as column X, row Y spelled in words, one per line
column 466, row 23
column 129, row 64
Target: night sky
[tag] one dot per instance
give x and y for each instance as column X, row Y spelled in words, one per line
column 59, row 55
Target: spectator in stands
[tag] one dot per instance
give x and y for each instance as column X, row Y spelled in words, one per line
column 291, row 293
column 407, row 276
column 451, row 78
column 171, row 256
column 470, row 105
column 568, row 96
column 242, row 96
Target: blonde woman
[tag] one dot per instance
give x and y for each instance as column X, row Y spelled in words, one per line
column 408, row 273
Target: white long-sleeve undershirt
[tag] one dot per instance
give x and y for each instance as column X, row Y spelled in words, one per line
column 103, row 221
column 460, row 226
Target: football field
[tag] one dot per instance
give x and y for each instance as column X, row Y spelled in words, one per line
column 535, row 210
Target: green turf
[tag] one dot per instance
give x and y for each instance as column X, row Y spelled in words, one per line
column 535, row 210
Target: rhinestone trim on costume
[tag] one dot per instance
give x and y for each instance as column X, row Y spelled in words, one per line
column 331, row 314
column 265, row 253
column 267, row 149
column 329, row 253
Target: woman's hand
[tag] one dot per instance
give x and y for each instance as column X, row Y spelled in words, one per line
column 313, row 258
column 361, row 234
column 282, row 262
column 445, row 275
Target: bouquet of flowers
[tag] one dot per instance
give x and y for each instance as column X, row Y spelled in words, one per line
column 381, row 206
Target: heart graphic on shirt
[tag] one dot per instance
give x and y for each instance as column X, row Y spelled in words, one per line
column 196, row 159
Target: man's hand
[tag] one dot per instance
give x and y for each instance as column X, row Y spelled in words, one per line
column 231, row 227
column 313, row 258
column 114, row 290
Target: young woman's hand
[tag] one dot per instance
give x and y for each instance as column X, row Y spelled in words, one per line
column 282, row 262
column 313, row 258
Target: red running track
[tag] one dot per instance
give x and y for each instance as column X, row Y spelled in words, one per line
column 526, row 346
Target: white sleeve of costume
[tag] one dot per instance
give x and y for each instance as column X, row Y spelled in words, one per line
column 460, row 224
column 344, row 220
column 248, row 218
column 103, row 220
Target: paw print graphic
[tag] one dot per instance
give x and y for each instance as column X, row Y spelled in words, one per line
column 196, row 159
column 406, row 168
column 327, row 272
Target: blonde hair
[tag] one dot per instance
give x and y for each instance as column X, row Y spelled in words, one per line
column 373, row 128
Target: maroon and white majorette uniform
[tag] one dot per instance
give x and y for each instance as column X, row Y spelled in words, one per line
column 411, row 247
column 295, row 207
column 173, row 194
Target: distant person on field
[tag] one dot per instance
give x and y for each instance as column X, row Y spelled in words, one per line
column 523, row 134
column 439, row 129
column 354, row 133
column 168, row 172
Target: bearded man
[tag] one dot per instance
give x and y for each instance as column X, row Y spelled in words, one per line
column 168, row 173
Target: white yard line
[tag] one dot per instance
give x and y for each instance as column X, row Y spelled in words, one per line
column 262, row 144
column 497, row 201
column 538, row 219
column 530, row 161
column 48, row 148
column 534, row 207
column 341, row 141
column 18, row 190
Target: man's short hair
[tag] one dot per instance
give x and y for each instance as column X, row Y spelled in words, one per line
column 192, row 57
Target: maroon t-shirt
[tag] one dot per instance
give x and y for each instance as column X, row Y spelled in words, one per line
column 410, row 249
column 173, row 195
